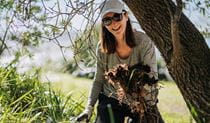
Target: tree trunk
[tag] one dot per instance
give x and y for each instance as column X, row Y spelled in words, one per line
column 190, row 67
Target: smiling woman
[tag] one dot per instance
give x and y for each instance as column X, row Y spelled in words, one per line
column 120, row 44
column 117, row 33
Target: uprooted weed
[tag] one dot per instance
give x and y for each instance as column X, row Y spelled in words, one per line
column 133, row 84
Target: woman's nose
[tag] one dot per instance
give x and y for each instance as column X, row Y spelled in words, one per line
column 114, row 23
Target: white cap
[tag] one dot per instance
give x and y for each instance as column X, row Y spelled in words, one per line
column 115, row 6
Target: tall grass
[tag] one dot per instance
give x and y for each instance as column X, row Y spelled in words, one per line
column 24, row 98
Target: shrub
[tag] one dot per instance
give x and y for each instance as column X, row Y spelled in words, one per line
column 25, row 98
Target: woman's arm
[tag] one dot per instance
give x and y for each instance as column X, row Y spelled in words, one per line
column 98, row 79
column 95, row 90
column 149, row 58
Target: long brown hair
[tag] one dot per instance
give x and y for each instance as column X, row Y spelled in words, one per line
column 108, row 41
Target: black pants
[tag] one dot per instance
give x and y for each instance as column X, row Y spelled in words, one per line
column 120, row 111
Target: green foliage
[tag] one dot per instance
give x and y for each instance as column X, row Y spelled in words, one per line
column 55, row 29
column 30, row 38
column 24, row 98
column 6, row 4
column 195, row 115
column 27, row 9
column 71, row 67
column 84, row 51
column 35, row 9
column 85, row 45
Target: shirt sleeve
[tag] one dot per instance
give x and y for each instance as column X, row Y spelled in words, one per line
column 149, row 58
column 99, row 79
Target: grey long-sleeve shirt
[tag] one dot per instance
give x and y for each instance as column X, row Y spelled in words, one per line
column 143, row 52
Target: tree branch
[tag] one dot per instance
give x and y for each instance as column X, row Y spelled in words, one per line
column 177, row 47
column 4, row 45
column 175, row 18
column 178, row 12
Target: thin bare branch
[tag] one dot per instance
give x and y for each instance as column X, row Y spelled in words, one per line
column 3, row 40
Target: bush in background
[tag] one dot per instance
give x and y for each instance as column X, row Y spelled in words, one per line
column 24, row 98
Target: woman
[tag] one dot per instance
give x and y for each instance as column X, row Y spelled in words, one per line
column 119, row 45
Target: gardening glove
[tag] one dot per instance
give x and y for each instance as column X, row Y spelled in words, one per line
column 86, row 114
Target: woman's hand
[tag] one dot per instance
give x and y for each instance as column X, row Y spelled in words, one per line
column 85, row 115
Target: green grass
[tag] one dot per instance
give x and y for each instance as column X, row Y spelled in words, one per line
column 79, row 87
column 25, row 98
column 171, row 103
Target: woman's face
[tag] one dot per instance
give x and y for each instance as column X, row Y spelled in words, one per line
column 115, row 23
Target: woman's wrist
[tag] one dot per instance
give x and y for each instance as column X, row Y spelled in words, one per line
column 89, row 110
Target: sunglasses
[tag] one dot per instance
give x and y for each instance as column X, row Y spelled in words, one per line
column 108, row 20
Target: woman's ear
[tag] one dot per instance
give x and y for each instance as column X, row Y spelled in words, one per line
column 126, row 15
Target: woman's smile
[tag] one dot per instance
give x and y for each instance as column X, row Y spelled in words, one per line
column 116, row 29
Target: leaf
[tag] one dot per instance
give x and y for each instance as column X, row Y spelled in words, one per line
column 35, row 9
column 35, row 117
column 130, row 77
column 20, row 98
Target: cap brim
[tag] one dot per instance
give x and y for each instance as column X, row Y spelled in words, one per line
column 111, row 10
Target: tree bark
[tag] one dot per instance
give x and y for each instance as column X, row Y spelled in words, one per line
column 190, row 66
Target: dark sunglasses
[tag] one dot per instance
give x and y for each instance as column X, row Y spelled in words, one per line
column 108, row 20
